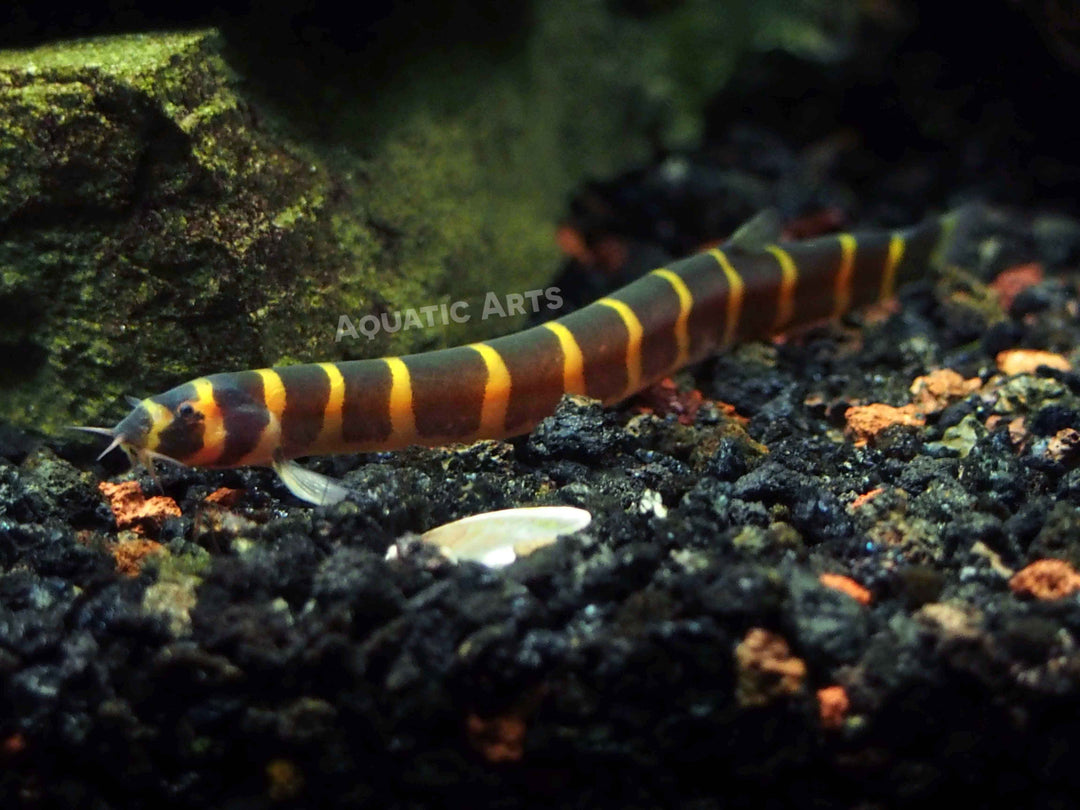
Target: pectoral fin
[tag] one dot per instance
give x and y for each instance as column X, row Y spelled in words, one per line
column 308, row 485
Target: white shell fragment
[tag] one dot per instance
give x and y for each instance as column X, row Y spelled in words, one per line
column 496, row 539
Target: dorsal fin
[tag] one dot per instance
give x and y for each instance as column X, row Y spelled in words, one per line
column 760, row 230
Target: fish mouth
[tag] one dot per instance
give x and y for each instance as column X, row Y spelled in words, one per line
column 118, row 439
column 135, row 454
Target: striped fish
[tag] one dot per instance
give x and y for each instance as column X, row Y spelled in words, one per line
column 750, row 288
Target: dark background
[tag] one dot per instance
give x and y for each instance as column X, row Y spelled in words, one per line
column 979, row 96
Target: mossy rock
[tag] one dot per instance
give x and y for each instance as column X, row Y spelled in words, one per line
column 152, row 230
column 162, row 219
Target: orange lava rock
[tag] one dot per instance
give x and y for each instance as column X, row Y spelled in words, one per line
column 284, row 780
column 224, row 496
column 131, row 554
column 834, row 705
column 767, row 669
column 864, row 422
column 1017, row 430
column 1013, row 281
column 572, row 243
column 1063, row 445
column 838, row 582
column 866, row 497
column 939, row 389
column 1026, row 361
column 15, row 744
column 731, row 413
column 1045, row 579
column 499, row 739
column 664, row 398
column 133, row 510
column 606, row 254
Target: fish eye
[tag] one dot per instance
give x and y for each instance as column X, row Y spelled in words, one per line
column 186, row 410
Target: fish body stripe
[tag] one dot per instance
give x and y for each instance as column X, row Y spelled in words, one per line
column 888, row 276
column 871, row 260
column 245, row 419
column 505, row 386
column 820, row 268
column 734, row 298
column 497, row 390
column 633, row 342
column 572, row 359
column 446, row 407
column 273, row 392
column 160, row 416
column 307, row 390
column 174, row 435
column 366, row 417
column 262, row 435
column 785, row 294
column 213, row 439
column 842, row 285
column 603, row 338
column 330, row 425
column 534, row 363
column 712, row 290
column 651, row 313
column 686, row 302
column 400, row 410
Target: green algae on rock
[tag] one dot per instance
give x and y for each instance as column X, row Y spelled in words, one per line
column 163, row 217
column 156, row 227
column 150, row 226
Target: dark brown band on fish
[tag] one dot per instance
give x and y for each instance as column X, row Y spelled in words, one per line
column 242, row 405
column 307, row 394
column 820, row 263
column 871, row 258
column 602, row 336
column 657, row 306
column 365, row 412
column 534, row 360
column 447, row 407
